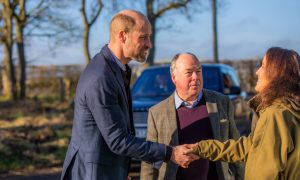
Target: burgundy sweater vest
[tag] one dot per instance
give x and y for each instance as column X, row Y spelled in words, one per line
column 193, row 126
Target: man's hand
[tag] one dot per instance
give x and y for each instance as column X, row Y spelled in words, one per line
column 191, row 147
column 181, row 155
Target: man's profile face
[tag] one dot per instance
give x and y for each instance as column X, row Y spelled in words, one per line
column 138, row 44
column 187, row 77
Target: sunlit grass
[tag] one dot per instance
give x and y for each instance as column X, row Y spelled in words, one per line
column 33, row 134
column 65, row 133
column 9, row 163
column 4, row 98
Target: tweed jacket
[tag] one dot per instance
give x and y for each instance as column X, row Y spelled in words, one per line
column 162, row 128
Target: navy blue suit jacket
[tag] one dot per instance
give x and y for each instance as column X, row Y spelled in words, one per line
column 102, row 144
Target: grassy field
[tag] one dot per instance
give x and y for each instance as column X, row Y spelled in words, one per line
column 34, row 134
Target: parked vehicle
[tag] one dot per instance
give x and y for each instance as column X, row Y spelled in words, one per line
column 155, row 85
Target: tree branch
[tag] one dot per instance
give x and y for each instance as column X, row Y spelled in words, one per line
column 83, row 13
column 95, row 16
column 173, row 5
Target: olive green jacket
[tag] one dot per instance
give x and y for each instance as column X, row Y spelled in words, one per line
column 271, row 151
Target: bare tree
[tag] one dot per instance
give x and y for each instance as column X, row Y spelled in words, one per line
column 88, row 22
column 8, row 73
column 20, row 20
column 51, row 19
column 156, row 9
column 43, row 19
column 215, row 30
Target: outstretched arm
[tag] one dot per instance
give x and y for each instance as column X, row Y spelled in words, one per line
column 228, row 151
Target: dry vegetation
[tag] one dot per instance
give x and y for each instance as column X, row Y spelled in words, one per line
column 33, row 134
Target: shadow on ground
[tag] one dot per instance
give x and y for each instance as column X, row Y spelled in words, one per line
column 33, row 177
column 55, row 176
column 55, row 172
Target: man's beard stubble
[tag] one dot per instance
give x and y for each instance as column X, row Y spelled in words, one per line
column 141, row 57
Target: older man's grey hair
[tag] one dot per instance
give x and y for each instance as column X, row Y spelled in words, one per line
column 175, row 58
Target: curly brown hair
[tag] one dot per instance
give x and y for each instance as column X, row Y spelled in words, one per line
column 283, row 74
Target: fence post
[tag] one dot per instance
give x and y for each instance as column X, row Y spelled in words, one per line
column 60, row 76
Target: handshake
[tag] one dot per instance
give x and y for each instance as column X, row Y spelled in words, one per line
column 183, row 156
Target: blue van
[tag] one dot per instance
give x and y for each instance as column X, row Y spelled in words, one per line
column 155, row 84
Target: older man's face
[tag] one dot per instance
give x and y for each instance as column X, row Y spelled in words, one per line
column 187, row 77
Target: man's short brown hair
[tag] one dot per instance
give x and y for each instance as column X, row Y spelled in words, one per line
column 125, row 20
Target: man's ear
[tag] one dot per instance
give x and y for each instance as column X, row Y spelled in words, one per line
column 173, row 78
column 122, row 36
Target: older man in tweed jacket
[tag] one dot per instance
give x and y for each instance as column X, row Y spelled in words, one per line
column 191, row 114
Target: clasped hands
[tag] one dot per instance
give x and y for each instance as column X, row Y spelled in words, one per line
column 183, row 156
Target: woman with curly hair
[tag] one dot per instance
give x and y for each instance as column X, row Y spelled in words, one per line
column 272, row 150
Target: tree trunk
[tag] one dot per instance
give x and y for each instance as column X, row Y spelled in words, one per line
column 9, row 80
column 215, row 31
column 153, row 16
column 22, row 61
column 20, row 22
column 152, row 51
column 152, row 19
column 86, row 35
column 87, row 26
column 6, row 91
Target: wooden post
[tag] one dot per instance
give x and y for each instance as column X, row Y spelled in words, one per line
column 61, row 89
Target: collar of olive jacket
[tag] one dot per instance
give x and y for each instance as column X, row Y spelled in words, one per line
column 293, row 104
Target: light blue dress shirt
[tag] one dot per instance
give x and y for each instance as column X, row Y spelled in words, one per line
column 179, row 101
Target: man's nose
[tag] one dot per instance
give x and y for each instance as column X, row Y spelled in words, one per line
column 195, row 75
column 257, row 72
column 149, row 43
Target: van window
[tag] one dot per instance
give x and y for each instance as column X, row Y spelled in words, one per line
column 158, row 83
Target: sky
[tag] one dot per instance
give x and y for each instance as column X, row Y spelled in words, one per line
column 246, row 29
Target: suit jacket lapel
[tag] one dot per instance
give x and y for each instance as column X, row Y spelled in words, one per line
column 116, row 70
column 212, row 109
column 171, row 120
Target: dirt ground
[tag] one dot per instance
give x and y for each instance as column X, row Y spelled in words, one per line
column 33, row 139
column 46, row 174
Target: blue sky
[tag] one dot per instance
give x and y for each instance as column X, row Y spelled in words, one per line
column 246, row 30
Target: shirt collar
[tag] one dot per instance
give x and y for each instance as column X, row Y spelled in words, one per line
column 179, row 102
column 122, row 66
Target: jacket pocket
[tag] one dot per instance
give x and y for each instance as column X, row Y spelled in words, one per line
column 224, row 129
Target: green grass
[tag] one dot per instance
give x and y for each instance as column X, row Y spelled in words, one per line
column 64, row 133
column 37, row 143
column 4, row 98
column 42, row 141
column 35, row 157
column 15, row 115
column 12, row 162
column 57, row 154
column 61, row 153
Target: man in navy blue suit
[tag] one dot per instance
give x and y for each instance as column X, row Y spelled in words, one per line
column 103, row 138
